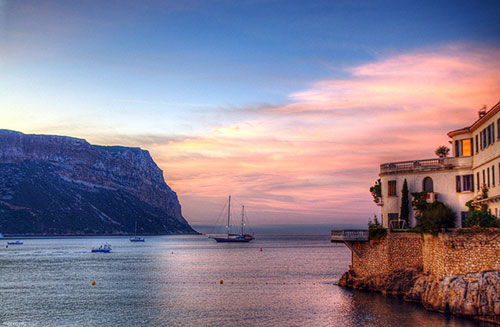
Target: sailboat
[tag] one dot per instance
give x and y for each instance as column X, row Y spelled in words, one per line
column 137, row 238
column 234, row 237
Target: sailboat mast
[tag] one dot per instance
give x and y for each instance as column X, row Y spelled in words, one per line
column 242, row 215
column 228, row 215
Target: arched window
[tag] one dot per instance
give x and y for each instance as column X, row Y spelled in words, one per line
column 428, row 185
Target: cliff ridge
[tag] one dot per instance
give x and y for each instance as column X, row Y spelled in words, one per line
column 63, row 185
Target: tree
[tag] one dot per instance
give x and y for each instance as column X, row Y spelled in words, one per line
column 405, row 204
column 435, row 217
column 376, row 191
column 442, row 151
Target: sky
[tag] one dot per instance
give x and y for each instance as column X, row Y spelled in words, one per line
column 289, row 106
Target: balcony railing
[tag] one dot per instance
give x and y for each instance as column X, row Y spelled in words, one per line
column 349, row 235
column 426, row 165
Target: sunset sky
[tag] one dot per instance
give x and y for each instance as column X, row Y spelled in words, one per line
column 290, row 106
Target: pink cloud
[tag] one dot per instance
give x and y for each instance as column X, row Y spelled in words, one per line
column 313, row 160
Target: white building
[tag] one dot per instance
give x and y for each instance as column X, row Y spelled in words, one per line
column 453, row 180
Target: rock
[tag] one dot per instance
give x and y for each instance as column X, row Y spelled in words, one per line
column 474, row 295
column 63, row 185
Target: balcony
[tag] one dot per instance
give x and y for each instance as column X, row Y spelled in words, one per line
column 349, row 235
column 426, row 165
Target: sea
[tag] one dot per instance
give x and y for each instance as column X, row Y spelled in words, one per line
column 193, row 281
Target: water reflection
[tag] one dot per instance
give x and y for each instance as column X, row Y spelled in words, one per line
column 174, row 281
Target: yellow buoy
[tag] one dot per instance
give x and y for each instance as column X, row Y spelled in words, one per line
column 93, row 283
column 221, row 282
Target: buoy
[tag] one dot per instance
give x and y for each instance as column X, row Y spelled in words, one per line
column 260, row 249
column 172, row 252
column 93, row 283
column 221, row 282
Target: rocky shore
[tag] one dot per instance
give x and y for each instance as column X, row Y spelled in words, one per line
column 472, row 295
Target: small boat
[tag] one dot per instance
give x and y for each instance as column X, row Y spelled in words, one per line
column 137, row 238
column 234, row 237
column 15, row 243
column 106, row 248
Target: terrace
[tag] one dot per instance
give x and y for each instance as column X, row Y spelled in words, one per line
column 348, row 236
column 426, row 165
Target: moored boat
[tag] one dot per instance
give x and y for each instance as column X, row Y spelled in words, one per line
column 234, row 237
column 106, row 248
column 15, row 243
column 137, row 238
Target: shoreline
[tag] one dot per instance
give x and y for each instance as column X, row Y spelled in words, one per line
column 474, row 296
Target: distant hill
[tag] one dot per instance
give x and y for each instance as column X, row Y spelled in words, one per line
column 58, row 185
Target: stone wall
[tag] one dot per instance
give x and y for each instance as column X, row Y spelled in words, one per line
column 445, row 254
column 452, row 254
column 397, row 251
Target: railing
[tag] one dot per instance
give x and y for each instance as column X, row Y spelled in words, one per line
column 349, row 235
column 417, row 165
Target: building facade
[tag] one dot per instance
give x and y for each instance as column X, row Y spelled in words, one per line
column 472, row 173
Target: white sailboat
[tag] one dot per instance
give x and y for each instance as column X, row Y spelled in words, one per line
column 235, row 237
column 137, row 238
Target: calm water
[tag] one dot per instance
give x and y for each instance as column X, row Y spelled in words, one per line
column 174, row 281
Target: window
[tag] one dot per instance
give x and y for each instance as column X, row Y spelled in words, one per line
column 493, row 175
column 484, row 178
column 463, row 147
column 465, row 183
column 428, row 185
column 477, row 145
column 393, row 216
column 488, row 170
column 498, row 129
column 464, row 215
column 391, row 188
column 477, row 180
column 487, row 136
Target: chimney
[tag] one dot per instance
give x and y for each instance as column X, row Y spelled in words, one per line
column 481, row 112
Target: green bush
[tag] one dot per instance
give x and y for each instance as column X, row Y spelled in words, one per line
column 481, row 219
column 435, row 217
column 376, row 233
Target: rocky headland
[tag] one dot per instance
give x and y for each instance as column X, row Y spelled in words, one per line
column 58, row 185
column 472, row 295
column 455, row 272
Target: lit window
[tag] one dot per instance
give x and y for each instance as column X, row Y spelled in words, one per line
column 463, row 147
column 466, row 147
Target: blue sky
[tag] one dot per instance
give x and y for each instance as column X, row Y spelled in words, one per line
column 212, row 79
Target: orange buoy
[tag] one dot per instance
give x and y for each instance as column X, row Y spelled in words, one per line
column 221, row 282
column 260, row 249
column 93, row 283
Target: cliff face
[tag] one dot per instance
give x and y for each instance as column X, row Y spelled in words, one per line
column 63, row 185
column 473, row 295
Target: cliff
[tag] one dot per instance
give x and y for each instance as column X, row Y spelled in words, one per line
column 58, row 185
column 472, row 295
column 457, row 272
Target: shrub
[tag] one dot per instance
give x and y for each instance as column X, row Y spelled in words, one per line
column 376, row 191
column 435, row 217
column 442, row 151
column 376, row 233
column 481, row 219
